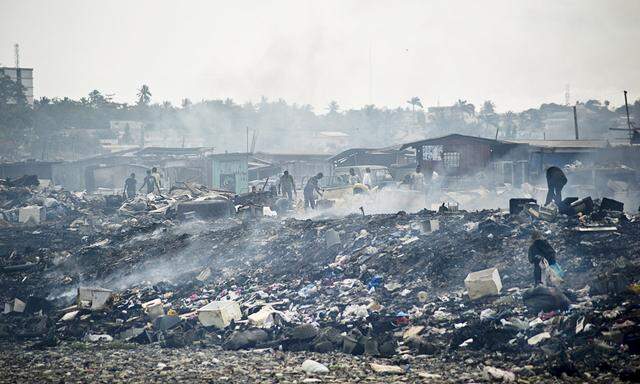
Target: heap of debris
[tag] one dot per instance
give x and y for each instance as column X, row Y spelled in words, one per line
column 456, row 285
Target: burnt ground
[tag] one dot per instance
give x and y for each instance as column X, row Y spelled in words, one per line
column 82, row 363
column 383, row 263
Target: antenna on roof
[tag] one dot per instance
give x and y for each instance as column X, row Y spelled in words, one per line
column 567, row 95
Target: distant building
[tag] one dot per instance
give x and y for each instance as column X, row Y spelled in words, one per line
column 456, row 157
column 22, row 75
column 447, row 111
column 128, row 132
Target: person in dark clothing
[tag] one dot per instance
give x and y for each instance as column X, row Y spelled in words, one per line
column 353, row 178
column 287, row 186
column 556, row 180
column 310, row 189
column 538, row 250
column 130, row 186
column 150, row 182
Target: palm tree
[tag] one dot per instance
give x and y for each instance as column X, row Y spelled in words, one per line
column 144, row 95
column 96, row 98
column 333, row 107
column 466, row 107
column 415, row 101
column 488, row 108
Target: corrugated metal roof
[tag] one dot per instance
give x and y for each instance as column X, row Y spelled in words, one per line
column 369, row 151
column 439, row 140
column 581, row 144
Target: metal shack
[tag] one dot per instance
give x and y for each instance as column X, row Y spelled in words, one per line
column 458, row 156
column 600, row 168
column 229, row 172
column 42, row 169
column 560, row 153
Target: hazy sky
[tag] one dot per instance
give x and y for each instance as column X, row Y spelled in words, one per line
column 516, row 53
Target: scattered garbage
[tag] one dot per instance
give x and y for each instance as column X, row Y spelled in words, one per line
column 499, row 374
column 389, row 369
column 97, row 338
column 607, row 204
column 388, row 286
column 535, row 340
column 16, row 305
column 312, row 366
column 542, row 298
column 154, row 308
column 517, row 205
column 267, row 317
column 70, row 316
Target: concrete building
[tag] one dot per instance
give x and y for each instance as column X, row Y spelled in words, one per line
column 22, row 75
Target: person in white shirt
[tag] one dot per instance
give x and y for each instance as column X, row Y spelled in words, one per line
column 418, row 179
column 366, row 179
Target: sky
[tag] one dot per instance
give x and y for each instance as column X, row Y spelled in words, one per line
column 519, row 54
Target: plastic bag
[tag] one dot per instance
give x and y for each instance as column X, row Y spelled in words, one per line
column 550, row 276
column 557, row 269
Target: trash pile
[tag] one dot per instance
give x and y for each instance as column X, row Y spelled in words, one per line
column 189, row 201
column 25, row 201
column 454, row 284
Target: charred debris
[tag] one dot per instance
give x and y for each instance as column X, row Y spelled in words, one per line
column 456, row 285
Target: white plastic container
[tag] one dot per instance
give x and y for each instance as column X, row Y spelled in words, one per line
column 332, row 238
column 93, row 297
column 36, row 213
column 483, row 283
column 219, row 314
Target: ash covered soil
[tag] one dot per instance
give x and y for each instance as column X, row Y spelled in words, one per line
column 75, row 362
column 390, row 293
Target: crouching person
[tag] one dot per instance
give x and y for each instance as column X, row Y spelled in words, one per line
column 538, row 250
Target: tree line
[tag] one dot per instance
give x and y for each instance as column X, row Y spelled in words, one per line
column 63, row 128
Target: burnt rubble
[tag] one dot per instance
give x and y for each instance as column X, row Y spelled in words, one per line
column 389, row 288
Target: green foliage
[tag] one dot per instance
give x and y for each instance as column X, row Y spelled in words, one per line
column 50, row 127
column 144, row 95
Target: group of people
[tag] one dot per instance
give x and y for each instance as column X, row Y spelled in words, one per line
column 287, row 188
column 540, row 249
column 353, row 178
column 152, row 181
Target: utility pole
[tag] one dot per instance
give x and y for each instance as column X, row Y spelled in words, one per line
column 16, row 49
column 247, row 139
column 626, row 107
column 633, row 132
column 370, row 77
column 575, row 122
